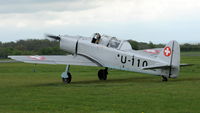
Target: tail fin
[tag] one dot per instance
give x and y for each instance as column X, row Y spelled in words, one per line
column 170, row 55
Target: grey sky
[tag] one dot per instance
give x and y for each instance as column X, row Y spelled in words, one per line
column 32, row 6
column 143, row 20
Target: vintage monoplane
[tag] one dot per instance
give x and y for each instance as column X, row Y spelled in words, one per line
column 109, row 52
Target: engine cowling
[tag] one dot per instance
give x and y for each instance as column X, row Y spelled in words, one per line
column 68, row 44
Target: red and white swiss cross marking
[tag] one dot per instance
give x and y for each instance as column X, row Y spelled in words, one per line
column 167, row 51
column 37, row 57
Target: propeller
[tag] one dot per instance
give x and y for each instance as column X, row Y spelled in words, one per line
column 53, row 37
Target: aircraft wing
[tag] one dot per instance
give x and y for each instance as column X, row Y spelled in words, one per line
column 57, row 59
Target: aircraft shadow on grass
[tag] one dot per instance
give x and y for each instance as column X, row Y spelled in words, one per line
column 120, row 80
column 117, row 80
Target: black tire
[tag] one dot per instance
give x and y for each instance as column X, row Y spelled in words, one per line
column 67, row 80
column 102, row 74
column 165, row 79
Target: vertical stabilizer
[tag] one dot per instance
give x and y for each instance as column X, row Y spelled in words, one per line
column 170, row 55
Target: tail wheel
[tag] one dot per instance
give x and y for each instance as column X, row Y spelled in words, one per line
column 67, row 80
column 102, row 74
column 165, row 79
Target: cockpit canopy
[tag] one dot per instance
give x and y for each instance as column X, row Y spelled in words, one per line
column 111, row 42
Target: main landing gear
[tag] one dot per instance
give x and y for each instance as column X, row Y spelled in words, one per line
column 164, row 79
column 102, row 74
column 66, row 76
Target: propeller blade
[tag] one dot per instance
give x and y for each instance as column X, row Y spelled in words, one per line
column 53, row 37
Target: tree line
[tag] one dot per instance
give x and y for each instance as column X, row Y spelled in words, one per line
column 47, row 47
column 143, row 45
column 30, row 47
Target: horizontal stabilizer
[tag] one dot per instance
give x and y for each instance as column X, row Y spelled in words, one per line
column 156, row 67
column 183, row 65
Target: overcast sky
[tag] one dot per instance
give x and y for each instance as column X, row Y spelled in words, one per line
column 158, row 21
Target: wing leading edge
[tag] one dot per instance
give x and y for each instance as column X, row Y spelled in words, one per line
column 57, row 59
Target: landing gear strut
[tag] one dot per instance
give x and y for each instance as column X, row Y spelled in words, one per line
column 102, row 74
column 66, row 76
column 165, row 79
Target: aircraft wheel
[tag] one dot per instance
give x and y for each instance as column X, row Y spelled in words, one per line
column 164, row 79
column 102, row 74
column 67, row 80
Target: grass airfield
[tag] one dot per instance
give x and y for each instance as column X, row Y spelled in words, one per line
column 25, row 91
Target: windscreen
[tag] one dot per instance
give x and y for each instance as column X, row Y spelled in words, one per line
column 114, row 43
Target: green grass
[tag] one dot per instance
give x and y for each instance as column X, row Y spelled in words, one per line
column 25, row 91
column 192, row 53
